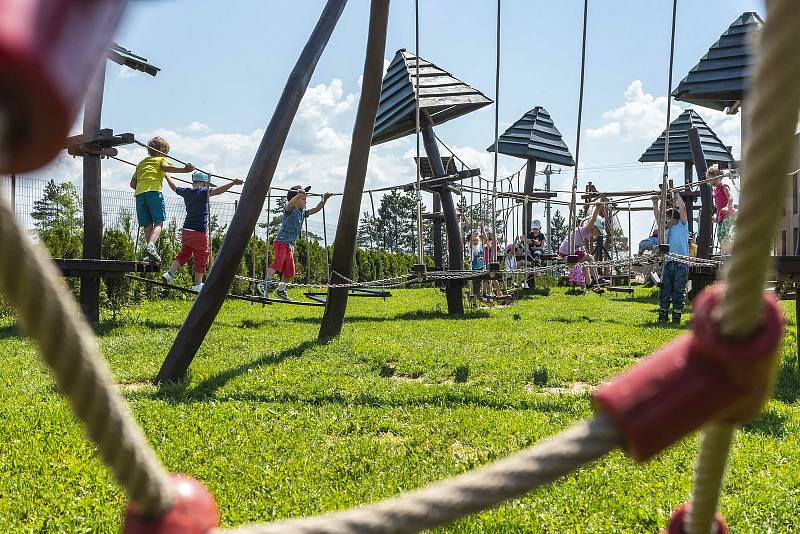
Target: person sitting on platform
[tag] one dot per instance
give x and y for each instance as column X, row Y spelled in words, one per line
column 583, row 233
column 649, row 244
column 147, row 181
column 194, row 234
column 675, row 275
column 294, row 214
column 725, row 210
column 536, row 241
column 692, row 246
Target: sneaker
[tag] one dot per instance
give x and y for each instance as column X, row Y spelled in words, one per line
column 282, row 294
column 167, row 277
column 197, row 287
column 662, row 317
column 151, row 252
column 525, row 285
column 266, row 287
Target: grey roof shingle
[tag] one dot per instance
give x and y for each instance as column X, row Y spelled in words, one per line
column 535, row 136
column 441, row 95
column 679, row 150
column 719, row 79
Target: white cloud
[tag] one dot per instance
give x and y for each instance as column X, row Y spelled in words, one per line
column 643, row 116
column 607, row 130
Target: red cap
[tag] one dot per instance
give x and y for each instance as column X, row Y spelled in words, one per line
column 193, row 512
column 699, row 377
column 677, row 522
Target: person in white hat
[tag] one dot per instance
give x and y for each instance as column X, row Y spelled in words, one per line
column 536, row 241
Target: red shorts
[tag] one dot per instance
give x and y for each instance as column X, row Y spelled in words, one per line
column 194, row 243
column 284, row 259
column 579, row 253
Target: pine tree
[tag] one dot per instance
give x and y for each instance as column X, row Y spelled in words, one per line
column 558, row 229
column 57, row 220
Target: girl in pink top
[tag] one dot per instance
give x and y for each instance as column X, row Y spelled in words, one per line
column 723, row 202
column 583, row 233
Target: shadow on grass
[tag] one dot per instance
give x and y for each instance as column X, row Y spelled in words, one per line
column 180, row 391
column 423, row 315
column 787, row 384
column 450, row 398
column 9, row 331
column 582, row 319
column 769, row 424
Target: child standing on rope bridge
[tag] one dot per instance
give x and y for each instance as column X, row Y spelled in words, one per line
column 194, row 234
column 283, row 247
column 723, row 204
column 147, row 181
column 675, row 275
column 589, row 228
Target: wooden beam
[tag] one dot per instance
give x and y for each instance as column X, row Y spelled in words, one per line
column 705, row 231
column 92, row 136
column 92, row 197
column 346, row 229
column 259, row 179
column 455, row 248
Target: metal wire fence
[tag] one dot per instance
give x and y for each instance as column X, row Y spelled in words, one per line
column 119, row 205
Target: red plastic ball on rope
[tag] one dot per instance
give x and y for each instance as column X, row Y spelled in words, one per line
column 193, row 512
column 678, row 520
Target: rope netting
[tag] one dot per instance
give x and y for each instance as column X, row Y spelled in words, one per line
column 49, row 315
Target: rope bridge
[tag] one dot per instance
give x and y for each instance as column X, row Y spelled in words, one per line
column 731, row 351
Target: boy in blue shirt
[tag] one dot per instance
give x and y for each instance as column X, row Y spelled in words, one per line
column 194, row 234
column 675, row 275
column 283, row 247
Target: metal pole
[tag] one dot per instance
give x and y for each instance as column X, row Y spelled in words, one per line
column 493, row 250
column 14, row 193
column 665, row 176
column 325, row 243
column 308, row 255
column 259, row 179
column 572, row 208
column 420, row 254
column 547, row 172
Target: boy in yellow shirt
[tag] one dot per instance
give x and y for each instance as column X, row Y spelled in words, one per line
column 147, row 181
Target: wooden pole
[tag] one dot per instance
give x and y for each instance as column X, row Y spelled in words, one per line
column 259, row 179
column 92, row 197
column 455, row 302
column 530, row 177
column 438, row 258
column 706, row 202
column 344, row 250
column 688, row 173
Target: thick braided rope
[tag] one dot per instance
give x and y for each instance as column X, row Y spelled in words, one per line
column 775, row 100
column 49, row 315
column 708, row 473
column 477, row 490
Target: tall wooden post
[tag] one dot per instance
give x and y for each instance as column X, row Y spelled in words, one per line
column 344, row 251
column 688, row 171
column 706, row 202
column 530, row 177
column 455, row 248
column 14, row 193
column 259, row 179
column 438, row 258
column 92, row 197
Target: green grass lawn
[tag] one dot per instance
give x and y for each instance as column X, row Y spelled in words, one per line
column 278, row 426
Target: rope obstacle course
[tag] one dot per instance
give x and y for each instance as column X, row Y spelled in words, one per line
column 731, row 350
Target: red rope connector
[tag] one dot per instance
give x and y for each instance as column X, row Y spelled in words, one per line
column 677, row 523
column 193, row 512
column 700, row 377
column 49, row 52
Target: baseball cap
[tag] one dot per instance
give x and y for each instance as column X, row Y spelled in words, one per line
column 199, row 176
column 536, row 224
column 290, row 194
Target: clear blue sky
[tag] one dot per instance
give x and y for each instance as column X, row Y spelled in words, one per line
column 225, row 63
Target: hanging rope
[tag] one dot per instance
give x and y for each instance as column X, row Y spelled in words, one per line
column 665, row 175
column 66, row 343
column 325, row 242
column 775, row 100
column 572, row 208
